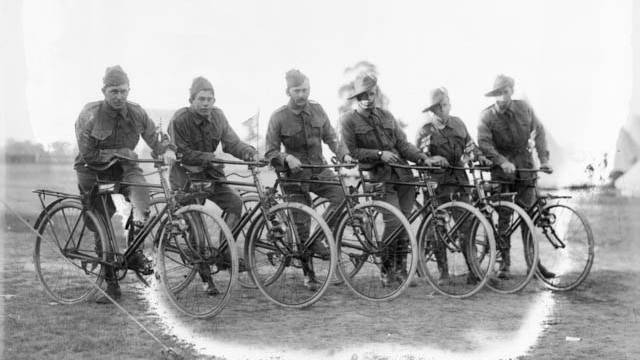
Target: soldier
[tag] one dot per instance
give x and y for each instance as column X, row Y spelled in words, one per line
column 197, row 130
column 374, row 138
column 302, row 126
column 504, row 132
column 112, row 127
column 446, row 137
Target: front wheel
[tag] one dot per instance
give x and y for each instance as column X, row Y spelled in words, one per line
column 285, row 257
column 377, row 251
column 457, row 249
column 516, row 249
column 70, row 252
column 567, row 247
column 197, row 261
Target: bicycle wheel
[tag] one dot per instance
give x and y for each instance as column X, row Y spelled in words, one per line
column 516, row 249
column 197, row 240
column 457, row 249
column 567, row 247
column 281, row 259
column 69, row 251
column 375, row 261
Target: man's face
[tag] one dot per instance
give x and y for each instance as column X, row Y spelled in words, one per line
column 503, row 98
column 367, row 100
column 300, row 94
column 203, row 102
column 443, row 109
column 116, row 96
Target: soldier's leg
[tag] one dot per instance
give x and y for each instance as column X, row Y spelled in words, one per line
column 86, row 182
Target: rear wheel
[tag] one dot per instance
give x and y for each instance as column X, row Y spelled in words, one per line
column 283, row 261
column 198, row 267
column 376, row 262
column 68, row 252
column 567, row 247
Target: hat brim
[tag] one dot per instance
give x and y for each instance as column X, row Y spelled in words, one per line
column 496, row 91
column 429, row 108
column 361, row 91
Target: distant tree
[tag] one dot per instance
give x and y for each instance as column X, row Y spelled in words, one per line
column 23, row 151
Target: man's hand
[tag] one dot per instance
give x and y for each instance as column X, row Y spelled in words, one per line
column 251, row 157
column 389, row 157
column 508, row 167
column 169, row 157
column 293, row 163
column 546, row 168
column 484, row 161
column 436, row 161
column 347, row 159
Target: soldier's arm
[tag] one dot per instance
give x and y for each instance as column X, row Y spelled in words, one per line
column 231, row 143
column 540, row 138
column 330, row 137
column 273, row 142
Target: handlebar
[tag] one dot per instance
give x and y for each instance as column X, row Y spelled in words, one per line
column 117, row 158
column 259, row 163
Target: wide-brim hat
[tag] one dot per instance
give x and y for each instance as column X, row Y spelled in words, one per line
column 435, row 98
column 363, row 83
column 501, row 82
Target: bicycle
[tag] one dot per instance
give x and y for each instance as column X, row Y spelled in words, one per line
column 369, row 253
column 85, row 237
column 517, row 246
column 278, row 256
column 446, row 240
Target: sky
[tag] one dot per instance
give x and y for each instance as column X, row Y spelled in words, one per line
column 571, row 59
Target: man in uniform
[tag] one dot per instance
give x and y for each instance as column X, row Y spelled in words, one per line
column 504, row 132
column 112, row 127
column 197, row 130
column 374, row 138
column 446, row 136
column 302, row 126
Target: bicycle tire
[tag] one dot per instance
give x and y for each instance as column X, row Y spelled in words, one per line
column 62, row 244
column 571, row 264
column 443, row 246
column 281, row 265
column 368, row 265
column 523, row 249
column 197, row 238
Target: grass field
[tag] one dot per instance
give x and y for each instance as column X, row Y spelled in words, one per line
column 533, row 324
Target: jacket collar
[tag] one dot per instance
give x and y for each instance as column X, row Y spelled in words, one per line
column 305, row 108
column 113, row 113
column 197, row 118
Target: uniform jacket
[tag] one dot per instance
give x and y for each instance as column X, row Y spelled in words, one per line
column 101, row 130
column 451, row 141
column 302, row 135
column 364, row 137
column 505, row 137
column 197, row 137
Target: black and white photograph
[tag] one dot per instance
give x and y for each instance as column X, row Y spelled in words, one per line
column 284, row 180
